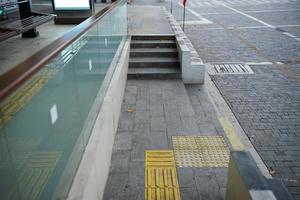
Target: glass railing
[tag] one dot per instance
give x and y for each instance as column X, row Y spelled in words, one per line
column 45, row 124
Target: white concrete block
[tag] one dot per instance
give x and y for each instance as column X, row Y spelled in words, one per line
column 90, row 179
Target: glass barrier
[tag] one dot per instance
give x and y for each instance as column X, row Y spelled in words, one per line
column 45, row 124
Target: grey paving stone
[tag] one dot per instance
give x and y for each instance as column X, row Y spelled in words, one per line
column 174, row 125
column 138, row 149
column 221, row 176
column 156, row 98
column 120, row 161
column 142, row 104
column 216, row 46
column 141, row 128
column 278, row 18
column 153, row 15
column 189, row 125
column 272, row 44
column 167, row 94
column 186, row 110
column 125, row 115
column 207, row 129
column 203, row 171
column 117, row 187
column 125, row 124
column 170, row 108
column 232, row 20
column 123, row 141
column 268, row 109
column 156, row 110
column 186, row 177
column 141, row 116
column 158, row 124
column 223, row 192
column 131, row 88
column 189, row 194
column 129, row 98
column 136, row 180
column 143, row 94
column 158, row 140
column 207, row 187
column 152, row 128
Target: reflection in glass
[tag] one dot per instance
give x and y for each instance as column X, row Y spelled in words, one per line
column 44, row 124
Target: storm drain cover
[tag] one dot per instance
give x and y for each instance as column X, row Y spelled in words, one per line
column 231, row 68
column 200, row 151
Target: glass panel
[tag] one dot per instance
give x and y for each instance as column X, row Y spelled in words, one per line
column 46, row 124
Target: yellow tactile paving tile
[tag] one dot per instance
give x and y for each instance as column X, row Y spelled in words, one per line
column 161, row 182
column 200, row 151
column 233, row 137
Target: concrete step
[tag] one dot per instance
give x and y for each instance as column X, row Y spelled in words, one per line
column 161, row 62
column 153, row 37
column 153, row 52
column 153, row 44
column 154, row 73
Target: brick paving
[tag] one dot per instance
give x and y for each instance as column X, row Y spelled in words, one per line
column 267, row 105
column 161, row 109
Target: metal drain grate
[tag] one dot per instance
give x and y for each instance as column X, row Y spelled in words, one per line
column 231, row 68
column 200, row 151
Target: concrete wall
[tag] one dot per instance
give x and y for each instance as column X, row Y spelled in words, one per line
column 89, row 182
column 192, row 67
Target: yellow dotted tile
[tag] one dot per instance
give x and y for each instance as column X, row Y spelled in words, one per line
column 200, row 151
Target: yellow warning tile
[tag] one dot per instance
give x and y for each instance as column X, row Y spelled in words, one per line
column 200, row 151
column 161, row 182
column 231, row 134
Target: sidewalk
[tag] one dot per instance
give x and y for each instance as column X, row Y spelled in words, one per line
column 147, row 20
column 162, row 109
column 153, row 112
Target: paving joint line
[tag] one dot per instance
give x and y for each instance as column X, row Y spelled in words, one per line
column 223, row 110
column 260, row 21
column 284, row 68
column 204, row 20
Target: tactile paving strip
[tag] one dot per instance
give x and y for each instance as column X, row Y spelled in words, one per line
column 161, row 182
column 200, row 151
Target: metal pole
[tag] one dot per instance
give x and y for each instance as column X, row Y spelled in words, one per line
column 171, row 6
column 183, row 21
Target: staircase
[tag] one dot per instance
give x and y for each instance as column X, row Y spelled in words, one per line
column 153, row 57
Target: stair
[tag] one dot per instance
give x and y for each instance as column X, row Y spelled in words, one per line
column 153, row 57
